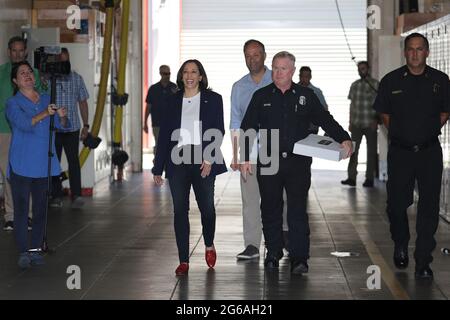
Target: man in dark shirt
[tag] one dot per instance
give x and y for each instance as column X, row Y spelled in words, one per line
column 156, row 95
column 414, row 104
column 305, row 76
column 285, row 110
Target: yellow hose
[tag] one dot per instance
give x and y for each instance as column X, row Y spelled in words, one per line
column 106, row 61
column 122, row 71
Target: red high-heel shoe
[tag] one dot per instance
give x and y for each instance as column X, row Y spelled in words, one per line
column 210, row 257
column 182, row 269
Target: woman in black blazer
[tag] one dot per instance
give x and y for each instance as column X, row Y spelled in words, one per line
column 189, row 142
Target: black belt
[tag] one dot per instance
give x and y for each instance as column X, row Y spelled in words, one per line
column 417, row 147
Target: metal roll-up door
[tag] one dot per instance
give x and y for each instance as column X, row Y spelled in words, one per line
column 214, row 32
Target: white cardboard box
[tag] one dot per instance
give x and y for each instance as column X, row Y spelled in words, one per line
column 319, row 147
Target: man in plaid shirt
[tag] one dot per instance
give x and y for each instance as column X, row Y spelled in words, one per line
column 71, row 93
column 363, row 122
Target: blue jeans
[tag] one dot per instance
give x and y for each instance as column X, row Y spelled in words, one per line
column 180, row 182
column 21, row 188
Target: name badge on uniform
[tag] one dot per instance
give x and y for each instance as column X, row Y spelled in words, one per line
column 397, row 91
column 267, row 104
column 436, row 88
column 302, row 100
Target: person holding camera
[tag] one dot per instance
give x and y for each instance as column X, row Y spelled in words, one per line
column 28, row 113
column 17, row 51
column 71, row 92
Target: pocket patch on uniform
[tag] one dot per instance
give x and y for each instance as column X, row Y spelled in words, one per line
column 302, row 100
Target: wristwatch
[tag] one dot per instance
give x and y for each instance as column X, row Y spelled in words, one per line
column 86, row 126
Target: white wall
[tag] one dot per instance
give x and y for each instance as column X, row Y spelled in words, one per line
column 13, row 15
column 133, row 111
column 389, row 58
column 164, row 43
column 164, row 37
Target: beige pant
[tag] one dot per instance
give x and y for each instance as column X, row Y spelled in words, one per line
column 251, row 210
column 5, row 139
column 155, row 135
column 285, row 224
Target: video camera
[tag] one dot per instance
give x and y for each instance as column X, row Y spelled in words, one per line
column 48, row 60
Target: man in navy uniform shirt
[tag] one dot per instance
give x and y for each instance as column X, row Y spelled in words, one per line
column 156, row 97
column 414, row 104
column 287, row 108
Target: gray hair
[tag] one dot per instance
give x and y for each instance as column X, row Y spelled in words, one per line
column 284, row 54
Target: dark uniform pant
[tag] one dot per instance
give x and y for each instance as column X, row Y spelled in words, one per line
column 294, row 175
column 404, row 168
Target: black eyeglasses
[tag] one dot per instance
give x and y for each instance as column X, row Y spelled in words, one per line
column 165, row 73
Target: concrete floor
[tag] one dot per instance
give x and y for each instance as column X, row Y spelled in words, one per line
column 123, row 242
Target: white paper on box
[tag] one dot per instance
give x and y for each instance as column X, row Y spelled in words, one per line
column 319, row 147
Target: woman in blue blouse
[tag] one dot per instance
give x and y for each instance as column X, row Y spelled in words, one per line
column 28, row 114
column 192, row 124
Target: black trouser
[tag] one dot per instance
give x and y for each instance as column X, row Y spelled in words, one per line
column 294, row 175
column 371, row 139
column 70, row 142
column 404, row 168
column 183, row 177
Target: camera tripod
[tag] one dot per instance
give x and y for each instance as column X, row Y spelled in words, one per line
column 45, row 248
